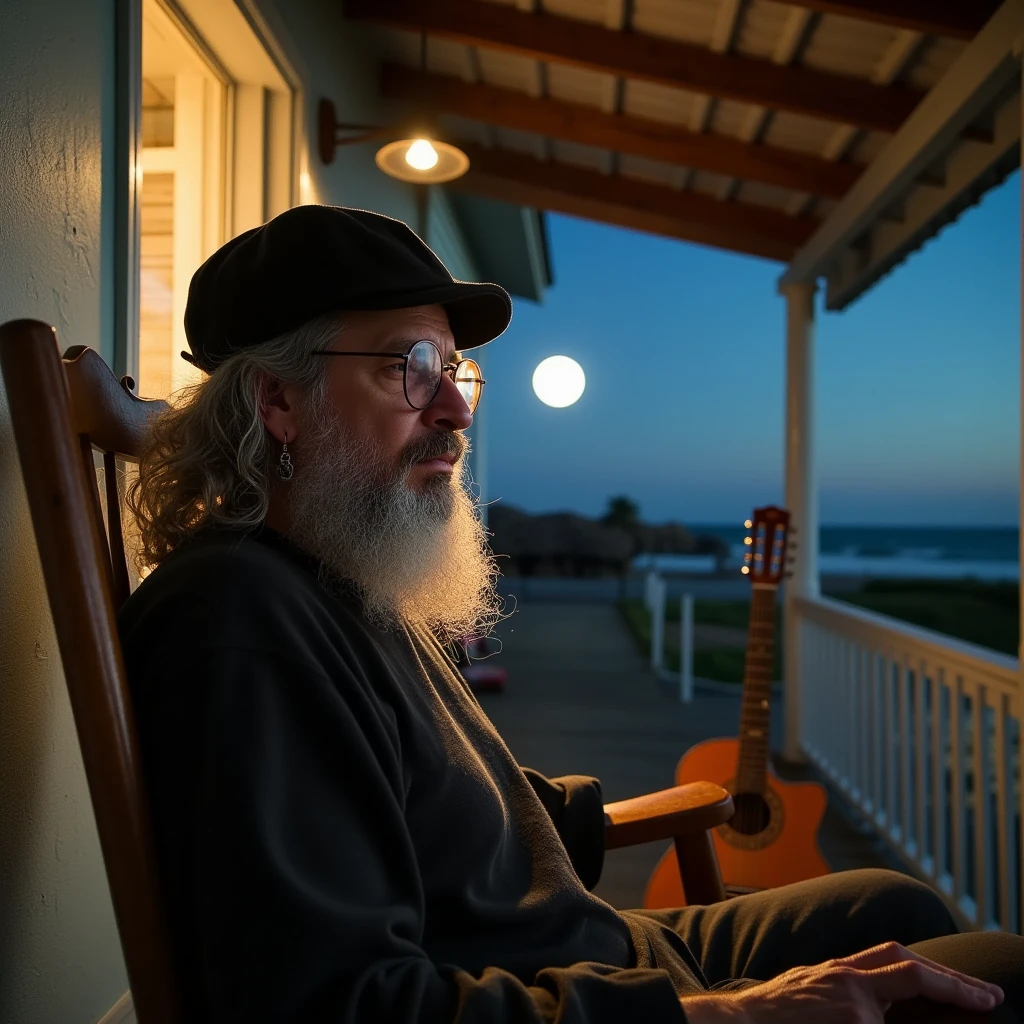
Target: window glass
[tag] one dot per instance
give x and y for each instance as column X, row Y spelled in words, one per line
column 182, row 192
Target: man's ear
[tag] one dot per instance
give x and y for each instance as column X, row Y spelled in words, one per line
column 278, row 410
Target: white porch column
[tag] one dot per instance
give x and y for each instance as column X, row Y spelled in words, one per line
column 801, row 493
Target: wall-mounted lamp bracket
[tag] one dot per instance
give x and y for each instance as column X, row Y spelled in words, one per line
column 332, row 133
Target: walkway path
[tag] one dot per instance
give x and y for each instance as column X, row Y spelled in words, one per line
column 581, row 700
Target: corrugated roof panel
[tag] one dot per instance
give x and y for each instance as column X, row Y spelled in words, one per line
column 657, row 102
column 580, row 10
column 760, row 27
column 507, row 70
column 656, row 171
column 764, row 195
column 576, row 85
column 797, row 131
column 933, row 61
column 728, row 117
column 689, row 21
column 448, row 58
column 868, row 146
column 847, row 46
column 590, row 157
column 517, row 141
column 708, row 183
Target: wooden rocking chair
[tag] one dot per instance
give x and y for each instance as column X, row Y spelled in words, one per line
column 64, row 408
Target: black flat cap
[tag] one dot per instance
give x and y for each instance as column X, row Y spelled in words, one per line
column 313, row 260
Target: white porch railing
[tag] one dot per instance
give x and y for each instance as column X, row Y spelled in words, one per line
column 655, row 600
column 922, row 733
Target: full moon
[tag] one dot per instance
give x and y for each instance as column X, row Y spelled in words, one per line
column 559, row 381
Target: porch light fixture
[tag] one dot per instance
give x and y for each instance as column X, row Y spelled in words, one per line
column 420, row 158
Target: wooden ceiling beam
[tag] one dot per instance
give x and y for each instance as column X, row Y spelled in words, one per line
column 960, row 19
column 620, row 133
column 613, row 199
column 548, row 37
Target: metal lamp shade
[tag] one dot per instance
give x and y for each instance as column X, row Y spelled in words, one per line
column 451, row 163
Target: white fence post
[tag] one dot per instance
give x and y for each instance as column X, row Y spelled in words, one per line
column 686, row 648
column 649, row 581
column 657, row 623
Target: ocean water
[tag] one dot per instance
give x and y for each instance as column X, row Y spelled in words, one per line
column 984, row 553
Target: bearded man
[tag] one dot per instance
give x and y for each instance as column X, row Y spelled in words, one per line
column 343, row 836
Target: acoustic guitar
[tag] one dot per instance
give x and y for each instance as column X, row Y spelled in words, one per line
column 771, row 839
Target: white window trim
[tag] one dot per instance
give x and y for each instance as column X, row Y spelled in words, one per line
column 265, row 143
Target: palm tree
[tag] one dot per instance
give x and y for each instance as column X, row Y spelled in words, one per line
column 622, row 511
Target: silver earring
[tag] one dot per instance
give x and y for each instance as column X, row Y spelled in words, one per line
column 284, row 464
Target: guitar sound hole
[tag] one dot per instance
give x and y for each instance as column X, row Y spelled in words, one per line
column 752, row 813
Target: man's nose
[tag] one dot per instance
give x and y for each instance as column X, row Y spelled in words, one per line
column 448, row 410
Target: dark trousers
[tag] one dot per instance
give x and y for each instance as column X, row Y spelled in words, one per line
column 761, row 935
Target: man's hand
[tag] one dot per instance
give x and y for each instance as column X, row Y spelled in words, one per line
column 857, row 989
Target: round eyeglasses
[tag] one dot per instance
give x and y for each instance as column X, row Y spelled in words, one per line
column 424, row 366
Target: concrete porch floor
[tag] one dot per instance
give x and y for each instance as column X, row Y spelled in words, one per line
column 580, row 700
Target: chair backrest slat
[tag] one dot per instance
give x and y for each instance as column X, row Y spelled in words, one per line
column 59, row 411
column 115, row 532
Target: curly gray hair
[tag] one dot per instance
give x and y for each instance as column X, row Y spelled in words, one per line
column 209, row 459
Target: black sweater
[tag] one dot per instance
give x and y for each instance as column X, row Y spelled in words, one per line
column 342, row 833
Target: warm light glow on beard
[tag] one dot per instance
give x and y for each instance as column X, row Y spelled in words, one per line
column 413, row 555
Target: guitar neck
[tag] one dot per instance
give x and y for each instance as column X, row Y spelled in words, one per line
column 755, row 714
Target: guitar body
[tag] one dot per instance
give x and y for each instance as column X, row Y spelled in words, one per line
column 784, row 850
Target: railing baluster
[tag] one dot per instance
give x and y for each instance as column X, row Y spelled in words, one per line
column 853, row 731
column 957, row 787
column 891, row 819
column 836, row 759
column 1015, row 777
column 903, row 741
column 828, row 674
column 982, row 848
column 940, row 805
column 864, row 731
column 808, row 672
column 878, row 777
column 1004, row 815
column 842, row 712
column 921, row 778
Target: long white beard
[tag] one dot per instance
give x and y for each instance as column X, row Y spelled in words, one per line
column 417, row 556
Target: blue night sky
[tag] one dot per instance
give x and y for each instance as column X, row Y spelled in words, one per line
column 683, row 347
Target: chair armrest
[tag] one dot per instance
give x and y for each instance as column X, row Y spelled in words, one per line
column 682, row 810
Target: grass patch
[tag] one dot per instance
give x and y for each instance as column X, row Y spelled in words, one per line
column 638, row 622
column 981, row 613
column 724, row 664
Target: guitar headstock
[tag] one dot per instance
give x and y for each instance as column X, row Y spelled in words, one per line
column 766, row 540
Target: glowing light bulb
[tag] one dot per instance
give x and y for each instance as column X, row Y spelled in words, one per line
column 745, row 569
column 421, row 155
